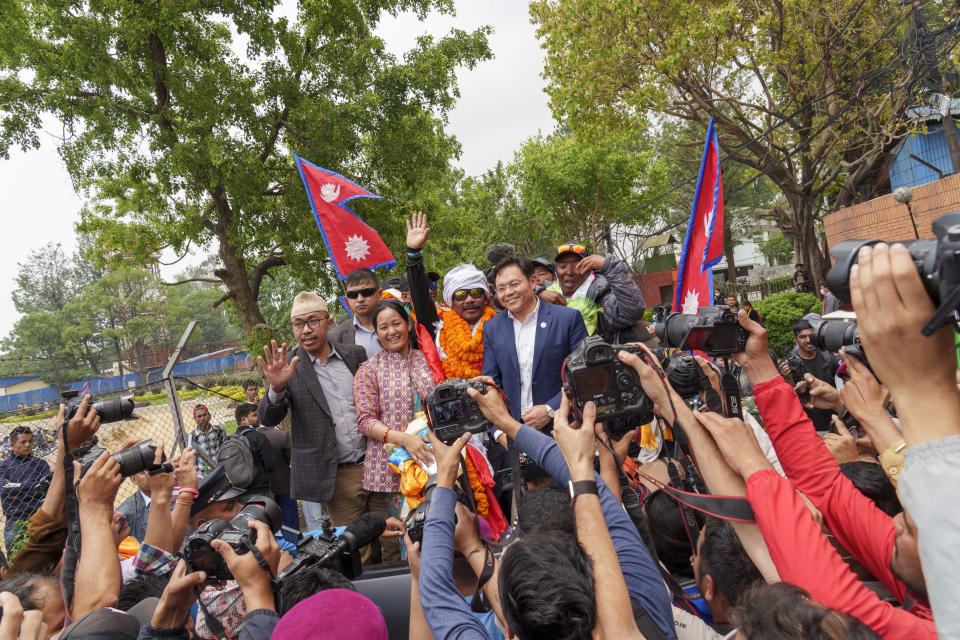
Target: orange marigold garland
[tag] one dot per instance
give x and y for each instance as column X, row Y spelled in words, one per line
column 479, row 493
column 464, row 350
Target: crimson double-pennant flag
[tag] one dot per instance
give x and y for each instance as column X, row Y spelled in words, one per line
column 350, row 242
column 703, row 244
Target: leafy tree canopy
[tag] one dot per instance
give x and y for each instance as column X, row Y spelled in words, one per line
column 180, row 117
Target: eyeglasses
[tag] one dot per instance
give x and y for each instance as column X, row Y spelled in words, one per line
column 366, row 293
column 313, row 323
column 575, row 248
column 433, row 285
column 475, row 293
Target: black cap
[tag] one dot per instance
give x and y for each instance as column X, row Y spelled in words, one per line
column 214, row 487
column 396, row 282
column 546, row 264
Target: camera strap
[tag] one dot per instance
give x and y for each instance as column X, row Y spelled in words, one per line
column 731, row 391
column 72, row 511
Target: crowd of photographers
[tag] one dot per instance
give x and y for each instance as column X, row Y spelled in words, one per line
column 648, row 492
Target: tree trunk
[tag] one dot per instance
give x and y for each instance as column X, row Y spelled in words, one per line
column 728, row 245
column 234, row 276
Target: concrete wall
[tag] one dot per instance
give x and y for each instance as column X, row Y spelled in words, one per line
column 886, row 219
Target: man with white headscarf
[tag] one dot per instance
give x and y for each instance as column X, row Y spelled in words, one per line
column 458, row 332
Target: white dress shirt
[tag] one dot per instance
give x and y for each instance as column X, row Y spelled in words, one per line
column 525, row 337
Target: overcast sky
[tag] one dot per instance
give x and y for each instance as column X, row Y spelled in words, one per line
column 502, row 103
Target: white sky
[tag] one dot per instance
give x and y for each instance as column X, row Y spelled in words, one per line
column 502, row 103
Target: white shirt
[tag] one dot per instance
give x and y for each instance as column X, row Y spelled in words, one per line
column 146, row 498
column 525, row 337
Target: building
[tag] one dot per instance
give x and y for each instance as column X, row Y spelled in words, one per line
column 19, row 384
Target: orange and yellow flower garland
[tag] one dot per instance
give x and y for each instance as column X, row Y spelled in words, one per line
column 464, row 351
column 479, row 493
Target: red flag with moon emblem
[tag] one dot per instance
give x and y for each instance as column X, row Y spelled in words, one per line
column 703, row 244
column 350, row 242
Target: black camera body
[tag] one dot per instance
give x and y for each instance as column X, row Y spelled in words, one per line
column 109, row 410
column 715, row 331
column 200, row 554
column 937, row 262
column 132, row 461
column 322, row 550
column 418, row 517
column 593, row 373
column 451, row 412
column 796, row 367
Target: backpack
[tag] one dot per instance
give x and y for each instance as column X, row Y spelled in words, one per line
column 236, row 456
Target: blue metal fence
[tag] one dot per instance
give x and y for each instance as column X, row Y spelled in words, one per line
column 119, row 383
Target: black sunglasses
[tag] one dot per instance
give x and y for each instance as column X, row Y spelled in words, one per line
column 475, row 293
column 366, row 293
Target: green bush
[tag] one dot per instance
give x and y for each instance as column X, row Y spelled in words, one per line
column 648, row 315
column 781, row 312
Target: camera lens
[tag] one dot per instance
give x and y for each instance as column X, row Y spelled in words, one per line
column 675, row 328
column 136, row 459
column 114, row 409
column 831, row 335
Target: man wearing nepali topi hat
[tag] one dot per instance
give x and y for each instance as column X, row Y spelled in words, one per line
column 314, row 382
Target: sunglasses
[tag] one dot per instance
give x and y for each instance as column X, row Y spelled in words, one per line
column 366, row 293
column 475, row 293
column 433, row 286
column 575, row 248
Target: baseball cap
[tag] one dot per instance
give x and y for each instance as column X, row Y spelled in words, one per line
column 546, row 264
column 396, row 282
column 571, row 248
column 214, row 486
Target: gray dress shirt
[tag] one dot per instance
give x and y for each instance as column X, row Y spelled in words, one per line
column 337, row 383
column 366, row 339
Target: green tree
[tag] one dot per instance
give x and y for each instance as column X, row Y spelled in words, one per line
column 752, row 66
column 45, row 280
column 574, row 187
column 777, row 249
column 178, row 141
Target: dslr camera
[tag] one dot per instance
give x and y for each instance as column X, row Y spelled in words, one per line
column 715, row 331
column 418, row 517
column 796, row 366
column 937, row 261
column 686, row 377
column 109, row 410
column 132, row 461
column 452, row 413
column 593, row 373
column 200, row 554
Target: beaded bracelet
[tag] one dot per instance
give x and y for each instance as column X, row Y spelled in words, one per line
column 386, row 433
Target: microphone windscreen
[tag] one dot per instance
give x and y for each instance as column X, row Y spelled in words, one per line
column 364, row 530
column 499, row 251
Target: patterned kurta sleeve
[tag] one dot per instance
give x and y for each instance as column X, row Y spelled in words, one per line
column 366, row 397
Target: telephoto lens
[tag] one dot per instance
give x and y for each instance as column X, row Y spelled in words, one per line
column 114, row 409
column 832, row 335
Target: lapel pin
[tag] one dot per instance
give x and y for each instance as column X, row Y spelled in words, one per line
column 543, row 325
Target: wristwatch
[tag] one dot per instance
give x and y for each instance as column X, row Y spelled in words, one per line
column 581, row 487
column 550, row 411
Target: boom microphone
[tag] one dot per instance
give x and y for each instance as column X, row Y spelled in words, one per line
column 497, row 252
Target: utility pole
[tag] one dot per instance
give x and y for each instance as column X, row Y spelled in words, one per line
column 933, row 80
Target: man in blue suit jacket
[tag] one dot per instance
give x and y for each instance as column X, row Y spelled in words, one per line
column 525, row 345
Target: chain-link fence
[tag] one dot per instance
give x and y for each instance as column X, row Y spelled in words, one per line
column 28, row 445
